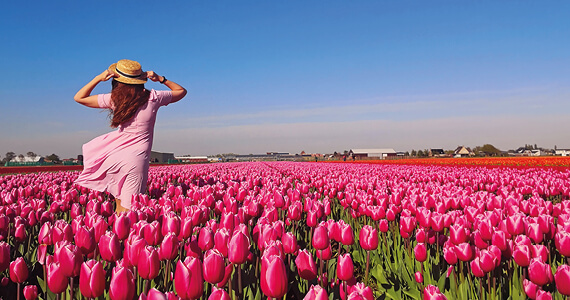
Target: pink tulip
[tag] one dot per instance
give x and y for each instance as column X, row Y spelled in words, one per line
column 206, row 239
column 432, row 292
column 56, row 279
column 543, row 295
column 85, row 239
column 345, row 267
column 539, row 272
column 70, row 258
column 122, row 285
column 110, row 247
column 562, row 279
column 515, row 224
column 289, row 243
column 419, row 277
column 18, row 270
column 148, row 264
column 221, row 241
column 214, row 266
column 530, row 288
column 152, row 233
column 169, row 247
column 273, row 276
column 325, row 254
column 476, row 267
column 522, row 255
column 4, row 256
column 188, row 279
column 464, row 251
column 420, row 252
column 321, row 238
column 316, row 292
column 122, row 226
column 346, row 235
column 31, row 292
column 92, row 279
column 306, row 265
column 562, row 242
column 368, row 238
column 219, row 294
column 238, row 249
column 133, row 248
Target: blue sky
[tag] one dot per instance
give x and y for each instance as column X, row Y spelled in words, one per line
column 318, row 76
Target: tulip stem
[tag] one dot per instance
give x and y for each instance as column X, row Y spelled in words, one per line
column 367, row 267
column 230, row 283
column 71, row 288
column 18, row 297
column 45, row 287
column 240, row 289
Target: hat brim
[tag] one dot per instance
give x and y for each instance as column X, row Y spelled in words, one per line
column 120, row 78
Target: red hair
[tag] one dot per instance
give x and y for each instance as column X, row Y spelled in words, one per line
column 127, row 99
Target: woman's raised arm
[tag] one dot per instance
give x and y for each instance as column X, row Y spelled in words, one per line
column 84, row 95
column 178, row 92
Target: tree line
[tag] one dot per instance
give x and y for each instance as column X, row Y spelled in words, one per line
column 11, row 155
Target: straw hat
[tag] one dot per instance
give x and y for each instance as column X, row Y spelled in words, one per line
column 128, row 71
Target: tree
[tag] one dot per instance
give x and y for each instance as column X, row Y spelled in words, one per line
column 420, row 153
column 414, row 153
column 31, row 154
column 9, row 156
column 54, row 158
column 489, row 150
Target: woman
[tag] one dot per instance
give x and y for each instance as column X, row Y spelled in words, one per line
column 117, row 162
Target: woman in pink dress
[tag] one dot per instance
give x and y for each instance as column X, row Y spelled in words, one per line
column 118, row 162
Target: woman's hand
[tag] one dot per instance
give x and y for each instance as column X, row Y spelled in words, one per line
column 152, row 76
column 106, row 75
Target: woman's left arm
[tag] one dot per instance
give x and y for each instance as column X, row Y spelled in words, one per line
column 84, row 95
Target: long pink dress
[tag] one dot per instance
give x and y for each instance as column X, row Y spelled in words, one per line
column 117, row 162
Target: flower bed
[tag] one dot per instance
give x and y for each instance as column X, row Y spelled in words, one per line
column 292, row 230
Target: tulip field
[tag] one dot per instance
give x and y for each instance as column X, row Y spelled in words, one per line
column 292, row 230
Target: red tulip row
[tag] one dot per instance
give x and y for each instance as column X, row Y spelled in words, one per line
column 224, row 230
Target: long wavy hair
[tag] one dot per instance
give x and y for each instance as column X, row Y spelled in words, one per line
column 127, row 99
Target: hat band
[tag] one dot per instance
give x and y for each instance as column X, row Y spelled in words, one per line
column 127, row 75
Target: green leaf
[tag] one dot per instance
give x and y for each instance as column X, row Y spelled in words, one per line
column 415, row 294
column 393, row 294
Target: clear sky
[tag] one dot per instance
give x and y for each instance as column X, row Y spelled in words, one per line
column 318, row 76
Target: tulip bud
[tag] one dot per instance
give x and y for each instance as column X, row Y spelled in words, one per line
column 18, row 270
column 188, row 279
column 85, row 239
column 368, row 238
column 148, row 264
column 70, row 258
column 562, row 279
column 219, row 294
column 92, row 279
column 110, row 247
column 530, row 288
column 432, row 292
column 306, row 265
column 289, row 243
column 214, row 266
column 345, row 267
column 31, row 292
column 122, row 226
column 122, row 285
column 419, row 277
column 420, row 252
column 539, row 272
column 56, row 279
column 4, row 256
column 273, row 276
column 169, row 247
column 238, row 249
column 316, row 292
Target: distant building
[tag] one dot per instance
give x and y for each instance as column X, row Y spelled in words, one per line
column 28, row 159
column 436, row 152
column 160, row 157
column 381, row 153
column 191, row 159
column 562, row 152
column 462, row 151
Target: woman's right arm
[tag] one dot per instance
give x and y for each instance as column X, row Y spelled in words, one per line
column 178, row 92
column 84, row 95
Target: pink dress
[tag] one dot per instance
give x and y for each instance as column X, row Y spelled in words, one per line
column 117, row 162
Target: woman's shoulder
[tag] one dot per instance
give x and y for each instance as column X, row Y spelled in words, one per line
column 162, row 97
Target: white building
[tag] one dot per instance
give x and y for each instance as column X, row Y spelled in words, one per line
column 380, row 153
